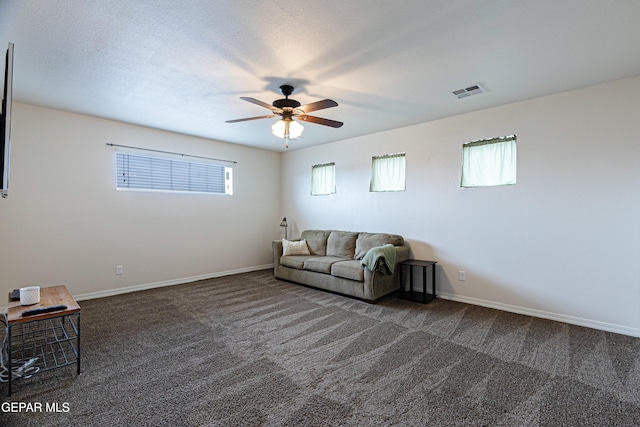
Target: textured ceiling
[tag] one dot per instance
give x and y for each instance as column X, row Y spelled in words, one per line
column 182, row 65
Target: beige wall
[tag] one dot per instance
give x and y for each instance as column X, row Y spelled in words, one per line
column 563, row 243
column 65, row 223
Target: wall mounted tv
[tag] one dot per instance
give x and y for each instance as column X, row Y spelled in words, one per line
column 5, row 137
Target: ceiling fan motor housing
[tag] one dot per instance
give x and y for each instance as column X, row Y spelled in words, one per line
column 286, row 90
column 286, row 103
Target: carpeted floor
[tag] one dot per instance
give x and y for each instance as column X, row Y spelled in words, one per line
column 253, row 351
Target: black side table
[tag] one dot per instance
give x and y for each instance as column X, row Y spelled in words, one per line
column 411, row 294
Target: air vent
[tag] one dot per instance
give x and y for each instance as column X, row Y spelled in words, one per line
column 468, row 91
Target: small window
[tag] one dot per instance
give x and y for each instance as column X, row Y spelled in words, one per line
column 141, row 172
column 388, row 173
column 323, row 179
column 489, row 162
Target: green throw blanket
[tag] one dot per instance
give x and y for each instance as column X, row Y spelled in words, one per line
column 381, row 258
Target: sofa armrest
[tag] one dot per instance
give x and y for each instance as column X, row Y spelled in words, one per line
column 276, row 246
column 402, row 253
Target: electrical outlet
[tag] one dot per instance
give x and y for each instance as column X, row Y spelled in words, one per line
column 462, row 275
column 119, row 270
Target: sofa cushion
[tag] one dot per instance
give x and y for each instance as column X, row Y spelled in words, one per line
column 316, row 241
column 341, row 243
column 294, row 261
column 366, row 241
column 298, row 247
column 351, row 269
column 321, row 264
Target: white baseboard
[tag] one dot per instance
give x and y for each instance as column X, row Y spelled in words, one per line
column 142, row 287
column 594, row 324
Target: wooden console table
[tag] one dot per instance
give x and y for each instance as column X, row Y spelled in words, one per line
column 43, row 341
column 415, row 295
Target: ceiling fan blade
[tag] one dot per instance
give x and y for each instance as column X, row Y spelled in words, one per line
column 260, row 103
column 318, row 105
column 320, row 121
column 251, row 118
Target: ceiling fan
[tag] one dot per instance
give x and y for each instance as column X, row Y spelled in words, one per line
column 287, row 127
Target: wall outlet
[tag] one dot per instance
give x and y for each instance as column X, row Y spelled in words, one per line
column 119, row 270
column 462, row 275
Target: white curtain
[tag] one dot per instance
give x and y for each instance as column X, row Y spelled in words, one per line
column 388, row 173
column 489, row 163
column 323, row 179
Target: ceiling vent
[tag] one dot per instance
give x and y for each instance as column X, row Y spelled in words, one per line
column 468, row 91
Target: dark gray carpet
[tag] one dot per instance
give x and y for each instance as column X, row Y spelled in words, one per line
column 253, row 351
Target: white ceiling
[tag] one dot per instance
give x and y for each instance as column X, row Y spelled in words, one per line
column 182, row 65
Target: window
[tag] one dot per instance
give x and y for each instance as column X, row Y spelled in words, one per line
column 323, row 179
column 388, row 173
column 489, row 162
column 141, row 172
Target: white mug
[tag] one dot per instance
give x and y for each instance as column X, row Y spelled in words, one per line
column 30, row 295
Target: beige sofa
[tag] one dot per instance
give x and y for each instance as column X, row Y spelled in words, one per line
column 334, row 263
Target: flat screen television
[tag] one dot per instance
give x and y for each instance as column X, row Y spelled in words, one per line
column 5, row 137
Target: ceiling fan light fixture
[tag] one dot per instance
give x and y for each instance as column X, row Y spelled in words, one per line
column 287, row 128
column 295, row 129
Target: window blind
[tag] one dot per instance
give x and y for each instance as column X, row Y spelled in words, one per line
column 141, row 172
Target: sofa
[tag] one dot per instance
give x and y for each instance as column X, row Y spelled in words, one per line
column 332, row 260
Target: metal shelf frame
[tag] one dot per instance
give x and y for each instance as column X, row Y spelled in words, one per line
column 54, row 342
